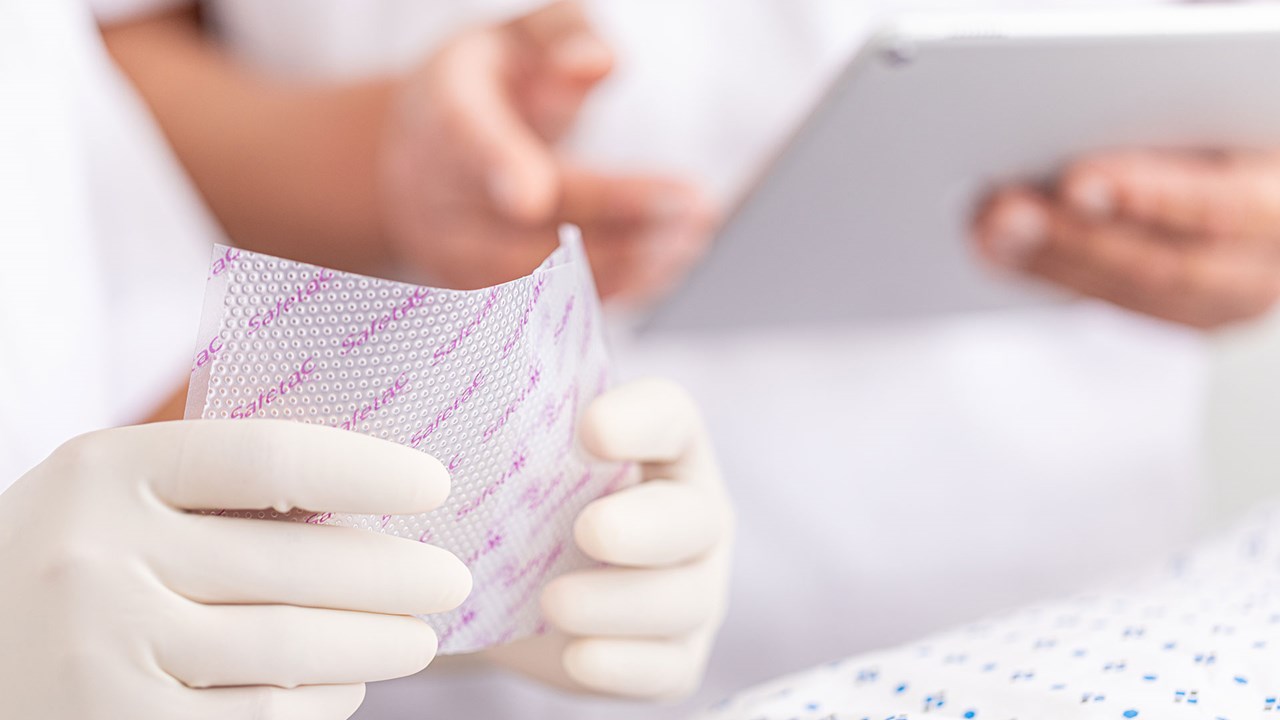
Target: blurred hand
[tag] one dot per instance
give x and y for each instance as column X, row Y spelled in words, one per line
column 118, row 603
column 473, row 187
column 1188, row 237
column 643, row 625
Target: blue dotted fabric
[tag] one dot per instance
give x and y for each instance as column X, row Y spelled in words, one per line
column 1196, row 640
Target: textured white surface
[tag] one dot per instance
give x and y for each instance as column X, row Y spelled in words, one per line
column 489, row 381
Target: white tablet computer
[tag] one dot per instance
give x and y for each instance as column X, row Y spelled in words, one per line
column 863, row 215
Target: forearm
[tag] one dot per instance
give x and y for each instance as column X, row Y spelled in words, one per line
column 288, row 168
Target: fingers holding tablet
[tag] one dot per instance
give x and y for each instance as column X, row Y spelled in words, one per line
column 1189, row 237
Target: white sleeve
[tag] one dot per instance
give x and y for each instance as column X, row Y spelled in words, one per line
column 114, row 10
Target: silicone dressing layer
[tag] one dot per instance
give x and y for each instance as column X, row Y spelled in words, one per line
column 490, row 382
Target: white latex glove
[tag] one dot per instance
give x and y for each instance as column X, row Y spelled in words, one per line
column 118, row 604
column 642, row 627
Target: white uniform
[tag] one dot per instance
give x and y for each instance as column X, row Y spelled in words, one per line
column 888, row 483
column 104, row 243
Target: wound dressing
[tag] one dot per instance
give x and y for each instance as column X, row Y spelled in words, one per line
column 490, row 382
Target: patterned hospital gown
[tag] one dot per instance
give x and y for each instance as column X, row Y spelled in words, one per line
column 1196, row 640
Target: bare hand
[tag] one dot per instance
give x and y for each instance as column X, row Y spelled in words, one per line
column 1188, row 237
column 472, row 185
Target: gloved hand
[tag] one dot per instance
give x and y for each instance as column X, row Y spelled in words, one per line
column 118, row 604
column 642, row 627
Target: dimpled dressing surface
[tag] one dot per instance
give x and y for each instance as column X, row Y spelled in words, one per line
column 491, row 382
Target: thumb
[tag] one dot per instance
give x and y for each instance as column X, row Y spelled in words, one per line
column 517, row 167
column 562, row 37
column 562, row 59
